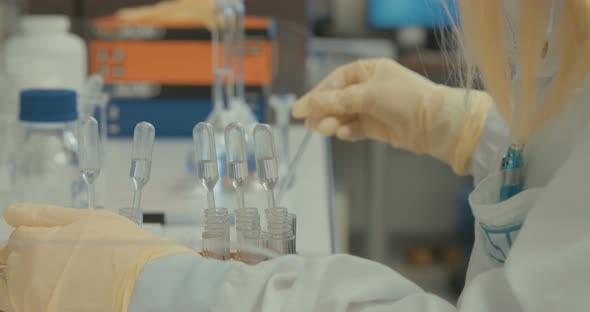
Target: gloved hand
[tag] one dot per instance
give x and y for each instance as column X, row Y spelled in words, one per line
column 63, row 259
column 199, row 11
column 382, row 100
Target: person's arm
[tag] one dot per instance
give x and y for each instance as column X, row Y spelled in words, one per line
column 384, row 101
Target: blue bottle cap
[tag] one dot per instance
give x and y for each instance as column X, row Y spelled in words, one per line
column 48, row 105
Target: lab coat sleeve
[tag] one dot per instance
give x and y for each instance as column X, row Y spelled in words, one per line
column 293, row 283
column 494, row 141
column 337, row 283
column 330, row 283
column 178, row 283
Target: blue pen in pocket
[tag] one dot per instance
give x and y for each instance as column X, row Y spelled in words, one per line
column 512, row 165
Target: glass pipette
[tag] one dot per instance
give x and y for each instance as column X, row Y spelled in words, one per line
column 95, row 97
column 237, row 160
column 266, row 161
column 89, row 154
column 239, row 41
column 206, row 157
column 141, row 165
column 293, row 165
column 223, row 36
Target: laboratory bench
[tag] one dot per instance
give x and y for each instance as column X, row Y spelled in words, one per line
column 174, row 193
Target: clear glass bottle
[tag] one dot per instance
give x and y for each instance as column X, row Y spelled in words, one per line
column 46, row 164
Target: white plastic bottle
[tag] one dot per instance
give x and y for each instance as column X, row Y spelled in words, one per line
column 44, row 54
column 46, row 163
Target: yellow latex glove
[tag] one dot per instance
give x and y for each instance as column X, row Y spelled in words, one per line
column 200, row 11
column 382, row 100
column 63, row 259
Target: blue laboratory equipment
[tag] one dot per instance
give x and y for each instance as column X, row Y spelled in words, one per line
column 394, row 14
column 512, row 165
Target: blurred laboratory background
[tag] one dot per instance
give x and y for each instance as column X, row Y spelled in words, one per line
column 409, row 212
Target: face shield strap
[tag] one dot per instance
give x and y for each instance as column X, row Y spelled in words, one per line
column 551, row 55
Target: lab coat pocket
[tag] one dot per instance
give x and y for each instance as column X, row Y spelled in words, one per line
column 499, row 222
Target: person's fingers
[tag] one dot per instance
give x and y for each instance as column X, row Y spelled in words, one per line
column 343, row 77
column 42, row 215
column 20, row 236
column 328, row 126
column 330, row 83
column 342, row 102
column 356, row 72
column 333, row 81
column 312, row 123
column 26, row 234
column 4, row 252
column 5, row 304
column 299, row 109
column 351, row 131
column 350, row 100
column 369, row 128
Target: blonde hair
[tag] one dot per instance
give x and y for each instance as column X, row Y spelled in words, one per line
column 484, row 37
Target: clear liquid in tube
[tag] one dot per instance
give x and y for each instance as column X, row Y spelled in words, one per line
column 268, row 172
column 208, row 173
column 140, row 170
column 237, row 172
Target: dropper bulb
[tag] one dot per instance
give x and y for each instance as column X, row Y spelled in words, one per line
column 89, row 145
column 264, row 142
column 235, row 143
column 141, row 156
column 266, row 156
column 206, row 155
column 204, row 140
column 143, row 141
column 235, row 150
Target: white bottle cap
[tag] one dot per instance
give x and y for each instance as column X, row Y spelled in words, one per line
column 44, row 24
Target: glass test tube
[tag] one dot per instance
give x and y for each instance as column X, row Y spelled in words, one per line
column 253, row 241
column 293, row 221
column 276, row 212
column 239, row 48
column 223, row 37
column 281, row 240
column 215, row 245
column 281, row 230
column 247, row 219
column 217, row 220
